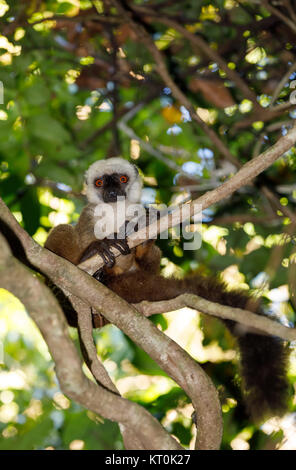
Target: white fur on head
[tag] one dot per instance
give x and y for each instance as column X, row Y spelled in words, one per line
column 109, row 166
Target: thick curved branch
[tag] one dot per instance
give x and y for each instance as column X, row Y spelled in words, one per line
column 46, row 312
column 85, row 329
column 89, row 352
column 171, row 357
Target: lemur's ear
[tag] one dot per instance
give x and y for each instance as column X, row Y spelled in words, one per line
column 85, row 176
column 84, row 187
column 135, row 189
column 136, row 168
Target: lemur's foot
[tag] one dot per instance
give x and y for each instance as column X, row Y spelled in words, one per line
column 103, row 248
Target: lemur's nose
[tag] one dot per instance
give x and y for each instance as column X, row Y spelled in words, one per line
column 112, row 194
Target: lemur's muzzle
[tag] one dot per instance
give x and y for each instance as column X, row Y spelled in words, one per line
column 111, row 194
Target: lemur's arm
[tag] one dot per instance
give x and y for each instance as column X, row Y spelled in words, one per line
column 79, row 243
column 93, row 246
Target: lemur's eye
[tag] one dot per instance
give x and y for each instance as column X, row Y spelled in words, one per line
column 99, row 182
column 123, row 179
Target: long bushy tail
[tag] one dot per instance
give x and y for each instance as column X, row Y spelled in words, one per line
column 263, row 358
column 264, row 366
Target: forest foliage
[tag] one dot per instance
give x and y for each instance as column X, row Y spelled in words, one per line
column 79, row 85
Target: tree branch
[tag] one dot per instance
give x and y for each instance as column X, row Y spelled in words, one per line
column 89, row 351
column 171, row 357
column 47, row 314
column 200, row 45
column 122, row 125
column 244, row 317
column 145, row 38
column 117, row 311
column 280, row 15
column 244, row 176
column 281, row 84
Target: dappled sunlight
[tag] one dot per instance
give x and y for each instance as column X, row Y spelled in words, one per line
column 144, row 387
column 15, row 322
column 234, row 278
column 34, row 409
column 213, row 234
column 15, row 379
column 286, row 424
column 78, row 444
column 184, row 329
column 9, row 412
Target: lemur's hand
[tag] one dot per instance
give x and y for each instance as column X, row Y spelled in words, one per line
column 103, row 248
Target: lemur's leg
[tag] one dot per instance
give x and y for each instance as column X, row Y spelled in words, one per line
column 148, row 257
column 63, row 241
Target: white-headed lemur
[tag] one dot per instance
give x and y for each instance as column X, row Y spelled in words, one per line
column 136, row 277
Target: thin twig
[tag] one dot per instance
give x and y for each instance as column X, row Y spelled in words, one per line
column 164, row 74
column 281, row 84
column 270, row 128
column 289, row 7
column 245, row 317
column 280, row 15
column 122, row 125
column 122, row 112
column 200, row 45
column 82, row 18
column 85, row 329
column 276, row 203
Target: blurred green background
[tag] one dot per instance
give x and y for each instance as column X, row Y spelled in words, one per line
column 70, row 76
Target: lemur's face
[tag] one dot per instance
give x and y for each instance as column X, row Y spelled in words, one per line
column 111, row 186
column 112, row 178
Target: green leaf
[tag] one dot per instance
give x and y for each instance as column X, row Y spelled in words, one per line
column 50, row 170
column 45, row 127
column 37, row 93
column 96, row 435
column 30, row 208
column 32, row 439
